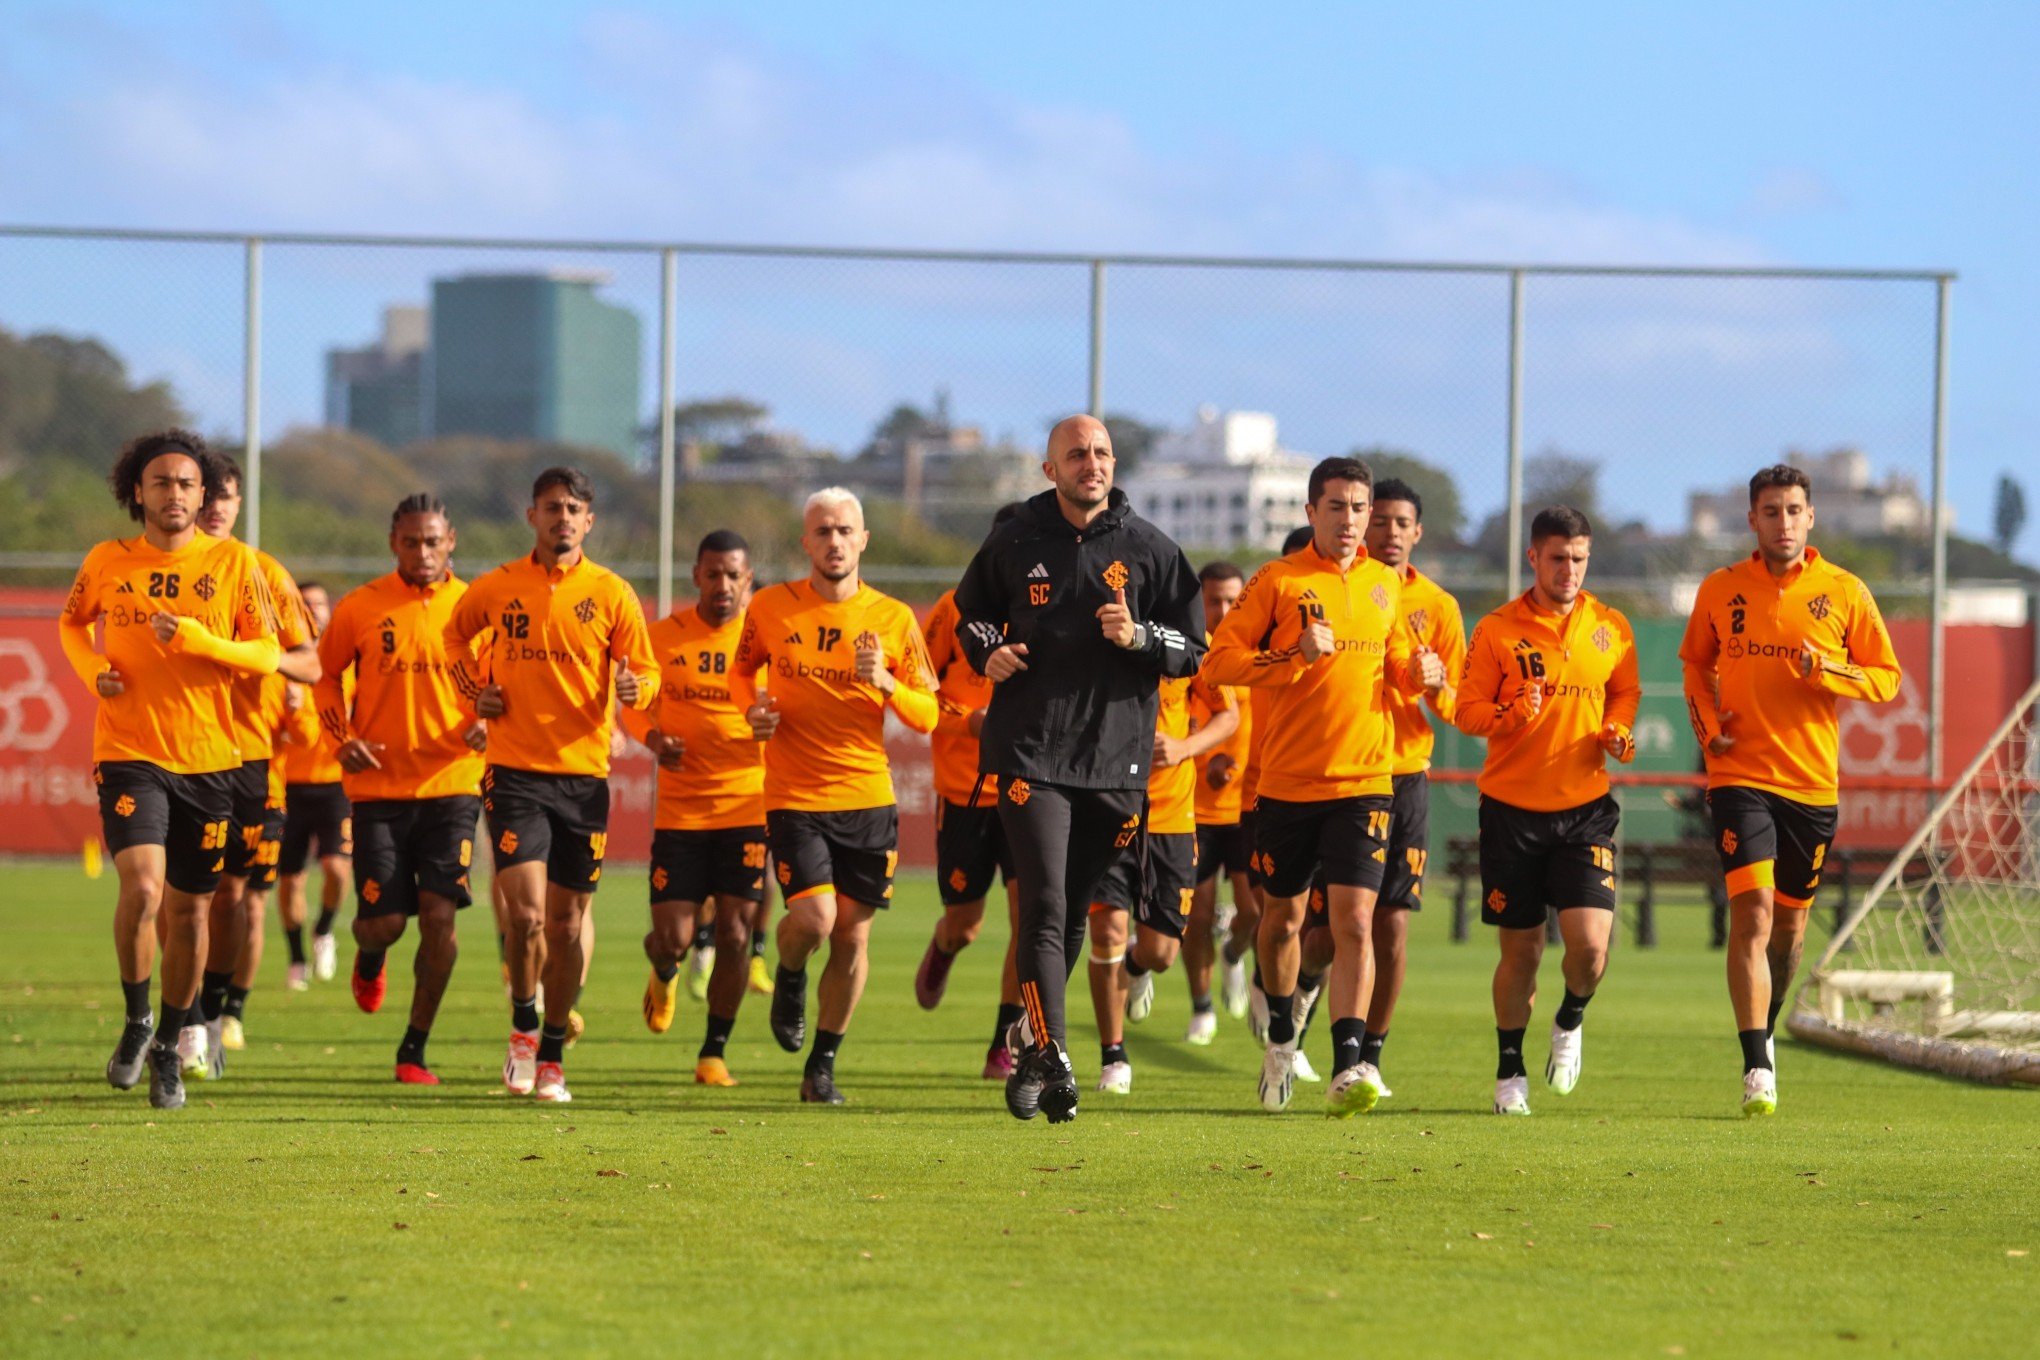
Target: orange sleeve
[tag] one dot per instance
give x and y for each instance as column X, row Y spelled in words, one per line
column 1870, row 670
column 940, row 634
column 1449, row 642
column 913, row 698
column 630, row 645
column 470, row 616
column 249, row 656
column 1481, row 711
column 85, row 659
column 336, row 654
column 1236, row 656
column 1700, row 649
column 1625, row 686
column 1214, row 717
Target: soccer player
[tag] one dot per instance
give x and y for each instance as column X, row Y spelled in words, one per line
column 235, row 921
column 708, row 839
column 837, row 656
column 1772, row 643
column 1323, row 628
column 411, row 762
column 567, row 635
column 970, row 844
column 1394, row 529
column 1551, row 682
column 182, row 614
column 316, row 817
column 1075, row 609
column 1221, row 845
column 1155, row 877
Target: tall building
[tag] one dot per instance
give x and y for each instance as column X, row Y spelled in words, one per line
column 379, row 390
column 534, row 356
column 1226, row 482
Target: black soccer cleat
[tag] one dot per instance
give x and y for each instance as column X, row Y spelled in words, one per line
column 166, row 1077
column 819, row 1088
column 130, row 1056
column 789, row 1011
column 1059, row 1085
column 1023, row 1088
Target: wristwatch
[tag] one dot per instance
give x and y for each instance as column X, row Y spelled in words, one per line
column 1140, row 638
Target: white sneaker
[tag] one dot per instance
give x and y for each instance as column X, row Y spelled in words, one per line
column 1385, row 1092
column 550, row 1084
column 1353, row 1091
column 192, row 1057
column 1301, row 1068
column 1232, row 987
column 298, row 978
column 1771, row 1050
column 520, row 1064
column 1222, row 917
column 1300, row 1004
column 1512, row 1095
column 1140, row 998
column 325, row 957
column 1203, row 1028
column 1277, row 1077
column 1257, row 1013
column 700, row 964
column 1759, row 1092
column 1116, row 1078
column 1562, row 1068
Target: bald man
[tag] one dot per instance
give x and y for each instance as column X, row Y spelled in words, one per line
column 1075, row 609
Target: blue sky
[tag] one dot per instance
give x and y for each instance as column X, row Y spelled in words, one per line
column 1818, row 134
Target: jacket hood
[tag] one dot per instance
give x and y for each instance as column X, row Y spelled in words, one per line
column 1044, row 515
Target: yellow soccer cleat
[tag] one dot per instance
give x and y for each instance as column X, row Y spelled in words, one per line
column 662, row 999
column 761, row 976
column 713, row 1072
column 232, row 1037
column 575, row 1026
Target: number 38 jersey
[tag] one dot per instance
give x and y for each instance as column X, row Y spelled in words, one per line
column 176, row 709
column 721, row 780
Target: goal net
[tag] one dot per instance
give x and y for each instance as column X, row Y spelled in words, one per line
column 1939, row 966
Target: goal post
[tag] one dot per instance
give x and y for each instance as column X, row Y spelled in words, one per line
column 1938, row 968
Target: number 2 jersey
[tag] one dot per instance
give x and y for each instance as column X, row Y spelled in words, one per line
column 721, row 780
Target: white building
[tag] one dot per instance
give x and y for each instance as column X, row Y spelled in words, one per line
column 1847, row 500
column 1226, row 482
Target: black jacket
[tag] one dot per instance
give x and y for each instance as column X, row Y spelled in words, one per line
column 1083, row 712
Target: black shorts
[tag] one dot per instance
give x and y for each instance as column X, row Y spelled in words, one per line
column 1409, row 843
column 1158, row 891
column 1250, row 846
column 697, row 866
column 190, row 815
column 970, row 846
column 404, row 847
column 314, row 814
column 1221, row 849
column 851, row 854
column 1530, row 861
column 562, row 819
column 1768, row 841
column 1346, row 838
column 257, row 842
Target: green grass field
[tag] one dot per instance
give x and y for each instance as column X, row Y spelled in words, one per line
column 308, row 1205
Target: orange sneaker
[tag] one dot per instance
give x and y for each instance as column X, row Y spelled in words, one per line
column 416, row 1074
column 369, row 992
column 713, row 1072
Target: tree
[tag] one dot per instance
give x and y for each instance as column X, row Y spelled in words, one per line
column 2008, row 514
column 1132, row 439
column 1444, row 514
column 1555, row 477
column 71, row 400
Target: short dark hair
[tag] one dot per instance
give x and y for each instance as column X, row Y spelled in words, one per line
column 1220, row 571
column 419, row 503
column 126, row 477
column 1559, row 521
column 1779, row 474
column 320, row 586
column 1396, row 489
column 228, row 469
column 1338, row 470
column 721, row 541
column 573, row 480
column 1298, row 537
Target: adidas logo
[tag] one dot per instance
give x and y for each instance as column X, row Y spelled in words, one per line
column 387, row 622
column 1524, row 644
column 1040, row 573
column 517, row 605
column 1738, row 603
column 126, row 588
column 793, row 638
column 1308, row 594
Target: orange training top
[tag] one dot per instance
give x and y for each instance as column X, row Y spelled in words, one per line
column 828, row 754
column 1326, row 732
column 1742, row 651
column 392, row 636
column 259, row 699
column 1586, row 661
column 1186, row 705
column 559, row 631
column 177, row 707
column 721, row 780
column 962, row 691
column 1434, row 621
column 1221, row 807
column 308, row 755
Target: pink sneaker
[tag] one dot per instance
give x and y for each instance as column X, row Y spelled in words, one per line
column 998, row 1063
column 931, row 979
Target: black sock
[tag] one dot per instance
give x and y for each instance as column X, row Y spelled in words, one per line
column 1310, row 982
column 236, row 1003
column 171, row 1019
column 1572, row 1010
column 1281, row 1018
column 1370, row 1046
column 1257, row 972
column 324, row 925
column 412, row 1050
column 1236, row 948
column 1755, row 1048
column 793, row 979
column 1007, row 1015
column 758, row 944
column 212, row 994
column 368, row 964
column 1511, row 1064
column 718, row 1036
column 1346, row 1037
column 524, row 1014
column 294, row 938
column 1134, row 967
column 1109, row 1054
column 552, row 1043
column 822, row 1057
column 1201, row 1005
column 1777, row 1004
column 136, row 996
column 704, row 936
column 666, row 971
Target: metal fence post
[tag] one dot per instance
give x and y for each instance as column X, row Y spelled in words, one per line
column 1097, row 407
column 1937, row 606
column 669, row 266
column 1515, row 513
column 251, row 396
